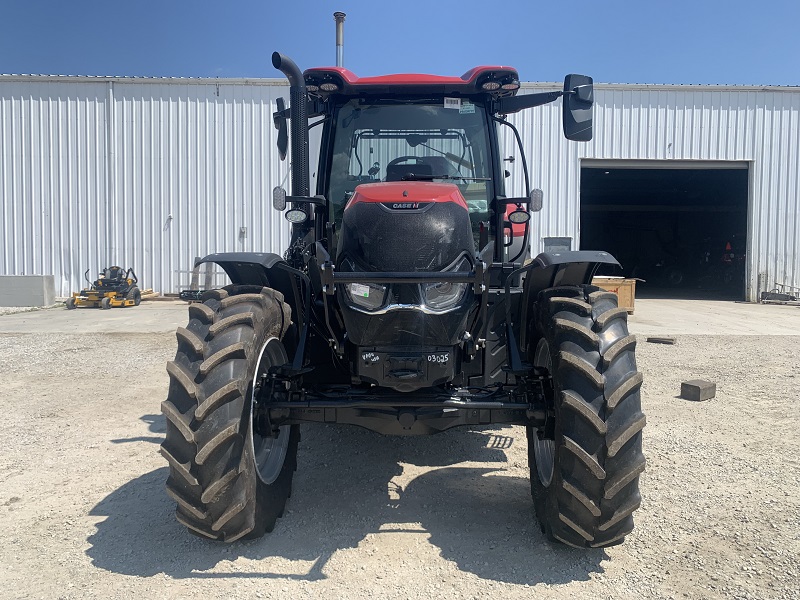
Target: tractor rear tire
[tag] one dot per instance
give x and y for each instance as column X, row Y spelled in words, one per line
column 228, row 481
column 135, row 295
column 71, row 304
column 105, row 303
column 585, row 480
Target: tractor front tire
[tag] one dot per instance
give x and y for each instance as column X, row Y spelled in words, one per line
column 585, row 466
column 71, row 303
column 105, row 303
column 228, row 481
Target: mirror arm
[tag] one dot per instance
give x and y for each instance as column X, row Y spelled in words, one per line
column 582, row 93
column 314, row 110
column 521, row 151
column 315, row 123
column 316, row 200
column 506, row 106
column 506, row 201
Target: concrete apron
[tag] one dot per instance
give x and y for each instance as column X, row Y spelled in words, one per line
column 148, row 317
column 710, row 317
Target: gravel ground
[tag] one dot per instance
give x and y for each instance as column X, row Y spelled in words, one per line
column 13, row 310
column 81, row 488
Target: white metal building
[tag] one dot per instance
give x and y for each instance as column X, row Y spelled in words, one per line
column 151, row 173
column 148, row 173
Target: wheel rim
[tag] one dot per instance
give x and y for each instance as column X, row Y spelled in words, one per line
column 269, row 453
column 544, row 450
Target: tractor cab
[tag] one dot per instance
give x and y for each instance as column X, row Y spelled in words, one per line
column 417, row 141
column 418, row 128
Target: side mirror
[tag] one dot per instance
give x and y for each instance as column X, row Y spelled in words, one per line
column 279, row 120
column 578, row 103
column 584, row 93
column 278, row 198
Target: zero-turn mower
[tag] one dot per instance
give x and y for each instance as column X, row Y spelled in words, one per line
column 114, row 287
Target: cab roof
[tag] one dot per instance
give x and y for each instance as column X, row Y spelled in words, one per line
column 495, row 80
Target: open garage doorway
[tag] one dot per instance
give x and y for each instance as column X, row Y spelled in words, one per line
column 680, row 227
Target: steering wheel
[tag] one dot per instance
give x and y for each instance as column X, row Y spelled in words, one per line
column 402, row 159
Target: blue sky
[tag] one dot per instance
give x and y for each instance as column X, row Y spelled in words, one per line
column 620, row 41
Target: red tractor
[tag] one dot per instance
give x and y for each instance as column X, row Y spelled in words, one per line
column 405, row 305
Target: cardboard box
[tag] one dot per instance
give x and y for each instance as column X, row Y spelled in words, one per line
column 625, row 289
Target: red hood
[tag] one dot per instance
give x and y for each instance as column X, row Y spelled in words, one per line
column 407, row 192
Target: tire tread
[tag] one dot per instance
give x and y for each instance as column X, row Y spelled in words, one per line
column 212, row 477
column 224, row 436
column 594, row 492
column 180, row 376
column 178, row 419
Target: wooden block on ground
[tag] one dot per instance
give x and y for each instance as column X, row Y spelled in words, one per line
column 698, row 390
column 661, row 340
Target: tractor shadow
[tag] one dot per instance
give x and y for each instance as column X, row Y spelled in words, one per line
column 155, row 423
column 479, row 518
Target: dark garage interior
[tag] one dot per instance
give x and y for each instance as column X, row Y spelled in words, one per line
column 682, row 231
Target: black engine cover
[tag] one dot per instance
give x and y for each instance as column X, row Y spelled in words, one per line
column 406, row 227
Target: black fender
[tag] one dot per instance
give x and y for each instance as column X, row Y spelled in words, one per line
column 547, row 270
column 255, row 268
column 551, row 269
column 271, row 270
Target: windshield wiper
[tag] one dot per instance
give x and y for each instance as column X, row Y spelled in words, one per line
column 418, row 177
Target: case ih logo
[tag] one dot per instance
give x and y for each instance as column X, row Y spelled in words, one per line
column 405, row 205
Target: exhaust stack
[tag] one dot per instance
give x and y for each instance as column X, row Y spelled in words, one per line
column 299, row 122
column 339, row 18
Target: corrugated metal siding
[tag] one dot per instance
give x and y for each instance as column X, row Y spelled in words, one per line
column 143, row 174
column 666, row 123
column 52, row 177
column 194, row 164
column 152, row 173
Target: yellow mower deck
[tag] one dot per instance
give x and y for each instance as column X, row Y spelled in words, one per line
column 91, row 299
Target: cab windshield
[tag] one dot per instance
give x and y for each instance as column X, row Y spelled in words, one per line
column 442, row 140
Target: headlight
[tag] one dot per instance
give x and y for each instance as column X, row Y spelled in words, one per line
column 366, row 295
column 443, row 295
